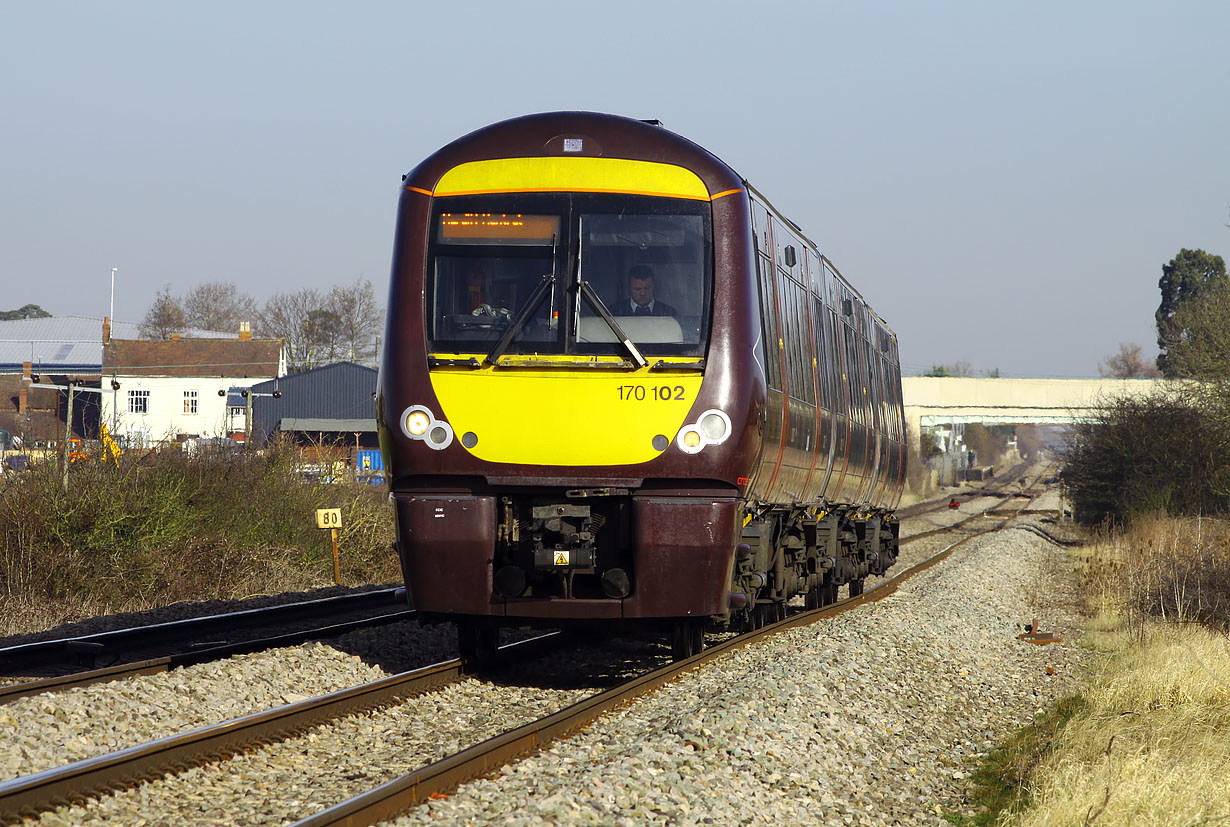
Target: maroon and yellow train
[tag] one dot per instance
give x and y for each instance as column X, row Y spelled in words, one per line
column 617, row 385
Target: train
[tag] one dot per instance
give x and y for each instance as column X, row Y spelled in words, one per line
column 619, row 388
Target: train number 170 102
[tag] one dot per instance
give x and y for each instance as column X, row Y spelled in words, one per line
column 657, row 393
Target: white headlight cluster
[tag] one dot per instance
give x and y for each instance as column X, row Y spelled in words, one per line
column 418, row 422
column 711, row 428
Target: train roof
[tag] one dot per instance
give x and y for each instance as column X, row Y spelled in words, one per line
column 600, row 134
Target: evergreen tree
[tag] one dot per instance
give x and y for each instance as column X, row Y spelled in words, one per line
column 28, row 311
column 1189, row 275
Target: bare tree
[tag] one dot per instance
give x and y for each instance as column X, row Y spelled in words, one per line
column 287, row 316
column 1127, row 364
column 165, row 318
column 218, row 305
column 319, row 329
column 359, row 320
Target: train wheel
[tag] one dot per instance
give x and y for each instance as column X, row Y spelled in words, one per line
column 477, row 643
column 687, row 638
column 856, row 587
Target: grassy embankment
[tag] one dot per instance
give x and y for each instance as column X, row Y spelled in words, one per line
column 175, row 528
column 1147, row 741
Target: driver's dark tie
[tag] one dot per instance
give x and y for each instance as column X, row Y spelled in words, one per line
column 642, row 310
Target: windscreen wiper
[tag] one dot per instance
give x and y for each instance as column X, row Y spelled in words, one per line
column 523, row 316
column 598, row 305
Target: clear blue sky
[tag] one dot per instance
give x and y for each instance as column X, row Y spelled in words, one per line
column 1002, row 181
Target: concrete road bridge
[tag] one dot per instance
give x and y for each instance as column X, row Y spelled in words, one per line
column 932, row 401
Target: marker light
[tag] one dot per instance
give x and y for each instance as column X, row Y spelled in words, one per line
column 418, row 422
column 712, row 428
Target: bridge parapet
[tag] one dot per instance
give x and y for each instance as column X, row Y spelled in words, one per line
column 940, row 400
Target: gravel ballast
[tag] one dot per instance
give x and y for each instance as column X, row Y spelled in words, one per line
column 873, row 717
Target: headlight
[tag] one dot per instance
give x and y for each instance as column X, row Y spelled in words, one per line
column 715, row 426
column 418, row 422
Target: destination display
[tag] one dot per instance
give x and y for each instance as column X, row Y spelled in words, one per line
column 497, row 228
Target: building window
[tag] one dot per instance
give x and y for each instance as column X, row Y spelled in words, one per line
column 189, row 402
column 138, row 402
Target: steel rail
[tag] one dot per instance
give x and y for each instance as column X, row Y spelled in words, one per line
column 993, row 488
column 154, row 666
column 30, row 794
column 61, row 651
column 993, row 512
column 400, row 794
column 41, row 791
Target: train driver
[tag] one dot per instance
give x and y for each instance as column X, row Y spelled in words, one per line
column 641, row 301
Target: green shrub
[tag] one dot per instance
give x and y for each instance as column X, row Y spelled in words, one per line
column 1167, row 452
column 175, row 527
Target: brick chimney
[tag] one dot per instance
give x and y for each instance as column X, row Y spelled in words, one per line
column 106, row 330
column 245, row 331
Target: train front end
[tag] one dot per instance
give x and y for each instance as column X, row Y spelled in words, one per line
column 564, row 435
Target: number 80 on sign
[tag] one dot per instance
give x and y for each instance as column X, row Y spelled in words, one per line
column 328, row 518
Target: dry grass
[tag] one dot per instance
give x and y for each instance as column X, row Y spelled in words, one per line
column 1169, row 569
column 1150, row 743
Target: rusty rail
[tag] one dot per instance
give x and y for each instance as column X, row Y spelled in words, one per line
column 439, row 777
column 154, row 666
column 116, row 643
column 41, row 791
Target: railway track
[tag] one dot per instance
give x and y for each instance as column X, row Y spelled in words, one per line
column 64, row 663
column 440, row 777
column 82, row 779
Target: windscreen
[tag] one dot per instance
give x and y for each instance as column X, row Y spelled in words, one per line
column 487, row 268
column 651, row 273
column 569, row 274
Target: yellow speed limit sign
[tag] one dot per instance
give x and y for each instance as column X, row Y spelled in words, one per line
column 328, row 518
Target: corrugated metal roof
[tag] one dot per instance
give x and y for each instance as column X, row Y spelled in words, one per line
column 343, row 390
column 68, row 343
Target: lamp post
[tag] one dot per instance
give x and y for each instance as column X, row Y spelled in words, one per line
column 115, row 403
column 112, row 316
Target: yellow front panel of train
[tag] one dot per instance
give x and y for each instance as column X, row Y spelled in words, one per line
column 539, row 417
column 572, row 175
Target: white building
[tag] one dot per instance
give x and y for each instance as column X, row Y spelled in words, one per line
column 156, row 392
